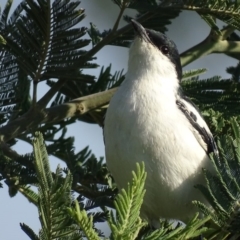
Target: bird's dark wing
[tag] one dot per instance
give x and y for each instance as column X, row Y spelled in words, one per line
column 202, row 132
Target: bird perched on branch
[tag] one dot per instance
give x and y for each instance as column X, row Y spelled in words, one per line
column 149, row 119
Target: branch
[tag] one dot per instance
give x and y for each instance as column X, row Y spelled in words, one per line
column 212, row 44
column 93, row 195
column 6, row 150
column 36, row 116
column 205, row 48
column 51, row 92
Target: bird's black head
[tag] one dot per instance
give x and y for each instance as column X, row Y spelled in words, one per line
column 162, row 43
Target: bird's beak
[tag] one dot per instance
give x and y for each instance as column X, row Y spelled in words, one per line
column 140, row 31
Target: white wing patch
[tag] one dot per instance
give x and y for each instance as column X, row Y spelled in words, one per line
column 201, row 130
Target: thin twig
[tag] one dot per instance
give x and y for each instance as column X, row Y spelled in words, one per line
column 51, row 92
column 6, row 150
column 34, row 99
column 113, row 35
column 122, row 9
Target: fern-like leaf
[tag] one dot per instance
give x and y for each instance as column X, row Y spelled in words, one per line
column 211, row 21
column 223, row 190
column 32, row 235
column 29, row 194
column 128, row 203
column 193, row 73
column 54, row 196
column 215, row 93
column 84, row 221
column 42, row 164
column 227, row 11
column 41, row 43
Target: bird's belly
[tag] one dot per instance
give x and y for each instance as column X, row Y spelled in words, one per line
column 173, row 158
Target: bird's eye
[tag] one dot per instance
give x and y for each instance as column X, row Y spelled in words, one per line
column 165, row 49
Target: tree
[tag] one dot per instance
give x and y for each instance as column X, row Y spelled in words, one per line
column 39, row 42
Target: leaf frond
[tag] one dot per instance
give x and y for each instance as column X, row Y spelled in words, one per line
column 223, row 189
column 128, row 203
column 84, row 221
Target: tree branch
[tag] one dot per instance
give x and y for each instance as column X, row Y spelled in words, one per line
column 212, row 44
column 205, row 48
column 6, row 150
column 36, row 116
column 51, row 92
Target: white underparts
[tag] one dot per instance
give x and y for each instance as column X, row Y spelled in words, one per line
column 143, row 123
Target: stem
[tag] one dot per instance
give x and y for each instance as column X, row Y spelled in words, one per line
column 212, row 44
column 227, row 31
column 5, row 148
column 112, row 35
column 51, row 92
column 43, row 55
column 122, row 9
column 35, row 83
column 34, row 117
column 207, row 47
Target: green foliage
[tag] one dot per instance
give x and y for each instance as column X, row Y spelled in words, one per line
column 193, row 73
column 53, row 199
column 127, row 223
column 2, row 40
column 160, row 17
column 223, row 189
column 227, row 11
column 9, row 68
column 195, row 228
column 54, row 196
column 211, row 21
column 18, row 172
column 29, row 231
column 42, row 41
column 128, row 202
column 74, row 89
column 214, row 93
column 52, row 23
column 46, row 33
column 85, row 222
column 217, row 98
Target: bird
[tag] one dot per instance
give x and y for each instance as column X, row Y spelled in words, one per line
column 149, row 119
